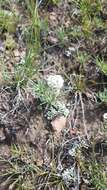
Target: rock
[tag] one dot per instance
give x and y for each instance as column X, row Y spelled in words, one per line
column 105, row 117
column 59, row 124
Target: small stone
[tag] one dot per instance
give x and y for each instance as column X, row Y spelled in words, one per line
column 17, row 59
column 67, row 23
column 16, row 53
column 53, row 40
column 1, row 47
column 70, row 51
column 105, row 117
column 59, row 124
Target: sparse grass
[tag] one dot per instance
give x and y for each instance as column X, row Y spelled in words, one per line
column 26, row 70
column 79, row 83
column 98, row 175
column 90, row 7
column 23, row 174
column 89, row 16
column 82, row 58
column 20, row 172
column 93, row 169
column 34, row 40
column 89, row 19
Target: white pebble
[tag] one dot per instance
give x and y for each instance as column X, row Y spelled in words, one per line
column 105, row 117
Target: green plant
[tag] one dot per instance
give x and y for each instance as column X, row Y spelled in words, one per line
column 98, row 175
column 94, row 169
column 76, row 32
column 26, row 70
column 103, row 95
column 19, row 174
column 35, row 24
column 98, row 23
column 78, row 83
column 10, row 42
column 87, row 26
column 57, row 109
column 90, row 7
column 55, row 1
column 44, row 92
column 89, row 12
column 82, row 58
column 3, row 1
column 22, row 173
column 8, row 20
column 62, row 35
column 102, row 65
